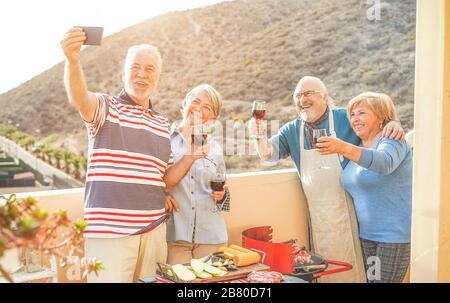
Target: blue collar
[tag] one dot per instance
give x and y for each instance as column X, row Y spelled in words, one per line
column 125, row 98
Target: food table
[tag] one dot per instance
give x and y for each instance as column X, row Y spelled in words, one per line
column 240, row 273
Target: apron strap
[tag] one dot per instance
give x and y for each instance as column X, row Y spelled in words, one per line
column 333, row 132
column 331, row 120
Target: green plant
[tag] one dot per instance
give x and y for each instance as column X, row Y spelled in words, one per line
column 409, row 38
column 43, row 149
column 7, row 130
column 83, row 163
column 259, row 71
column 18, row 136
column 24, row 225
column 47, row 151
column 76, row 165
column 27, row 141
column 57, row 155
column 68, row 159
column 52, row 138
column 249, row 61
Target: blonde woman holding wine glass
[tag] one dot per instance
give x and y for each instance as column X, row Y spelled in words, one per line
column 197, row 227
column 379, row 178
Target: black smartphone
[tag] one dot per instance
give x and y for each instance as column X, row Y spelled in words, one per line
column 93, row 34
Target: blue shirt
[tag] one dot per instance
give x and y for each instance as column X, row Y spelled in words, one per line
column 197, row 221
column 381, row 187
column 286, row 141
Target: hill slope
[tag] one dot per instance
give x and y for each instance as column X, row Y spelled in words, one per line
column 248, row 50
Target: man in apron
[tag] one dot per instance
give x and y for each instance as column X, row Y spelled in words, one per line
column 332, row 221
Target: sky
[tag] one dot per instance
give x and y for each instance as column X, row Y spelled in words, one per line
column 31, row 30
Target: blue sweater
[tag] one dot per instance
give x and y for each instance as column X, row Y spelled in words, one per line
column 286, row 141
column 381, row 187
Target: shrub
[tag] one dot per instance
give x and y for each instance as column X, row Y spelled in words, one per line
column 52, row 138
column 7, row 130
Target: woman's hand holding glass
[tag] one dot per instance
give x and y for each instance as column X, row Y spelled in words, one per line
column 219, row 195
column 329, row 145
column 198, row 143
column 197, row 152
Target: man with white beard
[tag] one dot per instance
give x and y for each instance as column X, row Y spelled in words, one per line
column 332, row 222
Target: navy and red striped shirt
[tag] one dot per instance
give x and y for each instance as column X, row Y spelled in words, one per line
column 129, row 152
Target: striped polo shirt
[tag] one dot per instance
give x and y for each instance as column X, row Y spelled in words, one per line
column 129, row 151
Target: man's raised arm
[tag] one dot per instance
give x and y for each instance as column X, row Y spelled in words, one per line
column 80, row 98
column 263, row 146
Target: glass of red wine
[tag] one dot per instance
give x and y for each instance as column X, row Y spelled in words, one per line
column 199, row 138
column 217, row 183
column 199, row 135
column 318, row 133
column 259, row 112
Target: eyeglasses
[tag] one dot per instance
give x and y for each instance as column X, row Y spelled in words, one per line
column 306, row 93
column 196, row 104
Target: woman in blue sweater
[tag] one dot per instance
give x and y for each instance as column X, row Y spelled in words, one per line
column 379, row 178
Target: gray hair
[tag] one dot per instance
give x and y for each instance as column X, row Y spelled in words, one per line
column 147, row 48
column 315, row 79
column 323, row 88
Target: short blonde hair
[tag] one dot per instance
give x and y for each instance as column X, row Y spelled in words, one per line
column 213, row 95
column 380, row 104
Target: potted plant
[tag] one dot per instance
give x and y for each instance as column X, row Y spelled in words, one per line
column 25, row 226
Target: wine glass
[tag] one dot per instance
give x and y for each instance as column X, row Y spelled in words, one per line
column 199, row 135
column 259, row 112
column 318, row 133
column 217, row 183
column 199, row 138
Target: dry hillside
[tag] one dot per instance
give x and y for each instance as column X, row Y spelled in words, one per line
column 248, row 50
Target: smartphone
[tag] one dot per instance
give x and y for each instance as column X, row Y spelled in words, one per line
column 93, row 34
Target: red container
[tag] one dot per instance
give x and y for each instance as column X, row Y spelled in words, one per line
column 279, row 256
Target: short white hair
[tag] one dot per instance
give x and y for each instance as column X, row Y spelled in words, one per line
column 147, row 48
column 323, row 88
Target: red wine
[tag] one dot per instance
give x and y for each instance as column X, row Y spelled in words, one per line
column 217, row 185
column 259, row 114
column 314, row 142
column 199, row 140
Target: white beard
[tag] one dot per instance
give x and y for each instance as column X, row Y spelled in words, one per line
column 306, row 116
column 141, row 94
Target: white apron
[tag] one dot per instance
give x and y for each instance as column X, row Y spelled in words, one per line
column 333, row 225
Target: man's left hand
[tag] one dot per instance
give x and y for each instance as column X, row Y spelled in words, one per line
column 393, row 130
column 171, row 203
